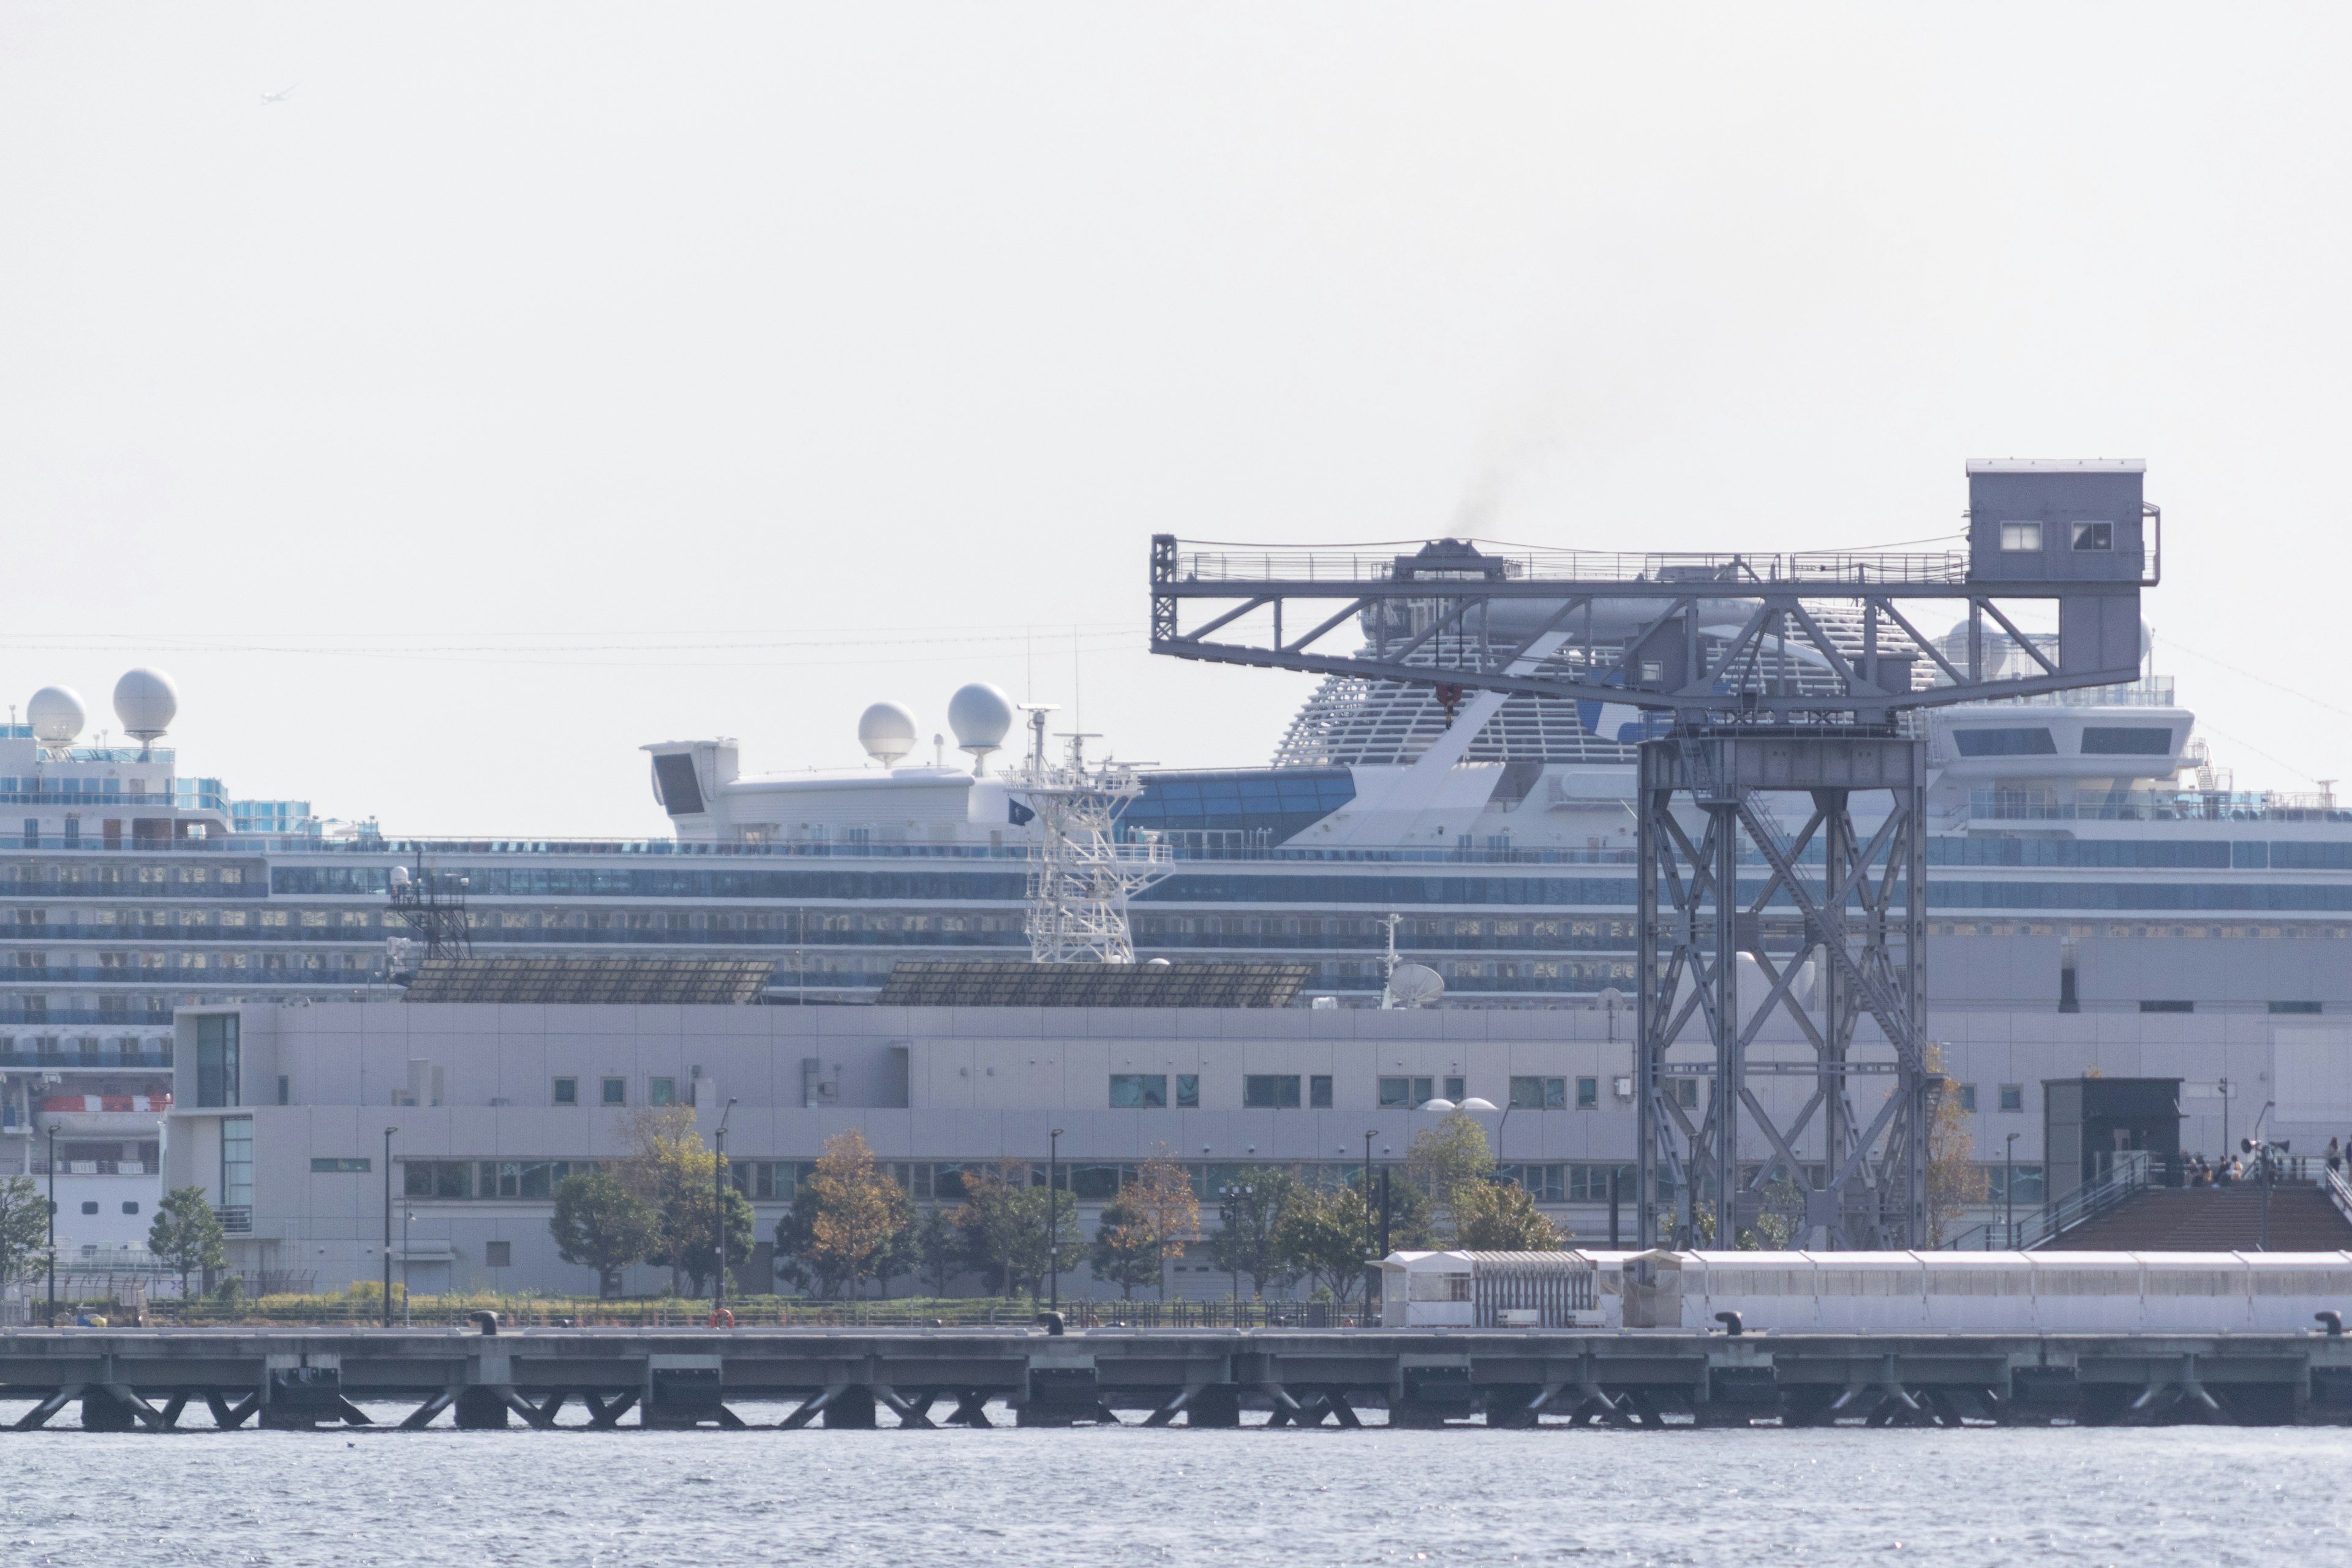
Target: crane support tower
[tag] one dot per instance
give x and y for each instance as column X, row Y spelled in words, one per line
column 1782, row 1062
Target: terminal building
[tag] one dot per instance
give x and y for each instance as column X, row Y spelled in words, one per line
column 2101, row 896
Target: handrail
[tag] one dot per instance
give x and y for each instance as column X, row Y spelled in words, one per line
column 2122, row 1180
column 2338, row 1191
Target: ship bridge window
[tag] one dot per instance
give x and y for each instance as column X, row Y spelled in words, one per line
column 2114, row 741
column 2095, row 536
column 2019, row 743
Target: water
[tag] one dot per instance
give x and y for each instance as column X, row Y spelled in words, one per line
column 1043, row 1498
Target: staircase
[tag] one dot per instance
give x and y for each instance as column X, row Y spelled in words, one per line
column 2213, row 1219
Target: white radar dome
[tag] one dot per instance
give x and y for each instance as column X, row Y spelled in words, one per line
column 55, row 714
column 1477, row 1102
column 1415, row 984
column 146, row 702
column 888, row 731
column 981, row 716
column 1440, row 1105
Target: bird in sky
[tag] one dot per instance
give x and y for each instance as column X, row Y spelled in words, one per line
column 280, row 95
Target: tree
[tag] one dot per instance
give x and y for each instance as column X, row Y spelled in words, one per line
column 1501, row 1216
column 856, row 1210
column 671, row 1171
column 1444, row 1160
column 1167, row 1209
column 185, row 1236
column 1410, row 1228
column 1955, row 1180
column 1322, row 1234
column 700, row 1261
column 1250, row 1204
column 602, row 1224
column 1007, row 1220
column 940, row 1247
column 1124, row 1252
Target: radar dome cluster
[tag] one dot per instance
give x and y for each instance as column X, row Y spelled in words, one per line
column 980, row 714
column 145, row 701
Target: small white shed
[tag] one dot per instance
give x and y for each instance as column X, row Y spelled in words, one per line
column 1488, row 1290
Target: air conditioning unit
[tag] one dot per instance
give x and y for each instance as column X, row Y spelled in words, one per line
column 1621, row 1087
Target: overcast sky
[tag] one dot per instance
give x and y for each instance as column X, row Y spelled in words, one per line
column 532, row 383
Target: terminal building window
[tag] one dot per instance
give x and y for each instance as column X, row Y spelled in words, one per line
column 333, row 1165
column 2168, row 1006
column 1270, row 1091
column 2031, row 1188
column 616, row 1091
column 2294, row 1007
column 567, row 1092
column 236, row 1162
column 1138, row 1091
column 2012, row 1097
column 1588, row 1094
column 662, row 1091
column 1539, row 1094
column 498, row 1255
column 437, row 1178
column 1318, row 1092
column 1188, row 1091
column 1407, row 1093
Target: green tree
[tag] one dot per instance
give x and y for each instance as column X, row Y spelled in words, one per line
column 601, row 1222
column 1007, row 1218
column 671, row 1171
column 1410, row 1227
column 1250, row 1204
column 1126, row 1251
column 185, row 1236
column 742, row 1227
column 1501, row 1216
column 1444, row 1160
column 941, row 1249
column 1322, row 1235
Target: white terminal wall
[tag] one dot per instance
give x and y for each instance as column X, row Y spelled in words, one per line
column 972, row 1084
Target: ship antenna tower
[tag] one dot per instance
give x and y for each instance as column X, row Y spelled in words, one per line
column 1081, row 875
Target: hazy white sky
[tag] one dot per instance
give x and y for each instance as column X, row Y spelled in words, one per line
column 535, row 381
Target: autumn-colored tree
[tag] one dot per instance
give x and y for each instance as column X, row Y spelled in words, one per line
column 1323, row 1234
column 1446, row 1160
column 858, row 1210
column 1163, row 1210
column 1125, row 1251
column 1501, row 1216
column 1955, row 1180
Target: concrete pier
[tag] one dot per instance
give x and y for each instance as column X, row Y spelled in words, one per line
column 922, row 1379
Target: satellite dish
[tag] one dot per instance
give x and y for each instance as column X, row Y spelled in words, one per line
column 981, row 716
column 1477, row 1102
column 1611, row 998
column 56, row 715
column 1415, row 984
column 1437, row 1105
column 887, row 733
column 146, row 702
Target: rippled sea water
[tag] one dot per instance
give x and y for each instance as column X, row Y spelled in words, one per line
column 1092, row 1497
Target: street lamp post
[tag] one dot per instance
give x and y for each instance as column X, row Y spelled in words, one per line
column 1054, row 1215
column 1371, row 1236
column 718, row 1213
column 2222, row 1086
column 2009, row 1192
column 387, row 1225
column 53, row 1225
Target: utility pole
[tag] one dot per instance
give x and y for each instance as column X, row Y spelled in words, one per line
column 719, row 1214
column 53, row 1225
column 387, row 1225
column 2009, row 1192
column 1053, row 1214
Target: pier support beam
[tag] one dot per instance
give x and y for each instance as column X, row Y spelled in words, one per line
column 1218, row 1404
column 481, row 1409
column 851, row 1408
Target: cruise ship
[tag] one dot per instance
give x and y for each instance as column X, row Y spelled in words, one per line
column 2087, row 857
